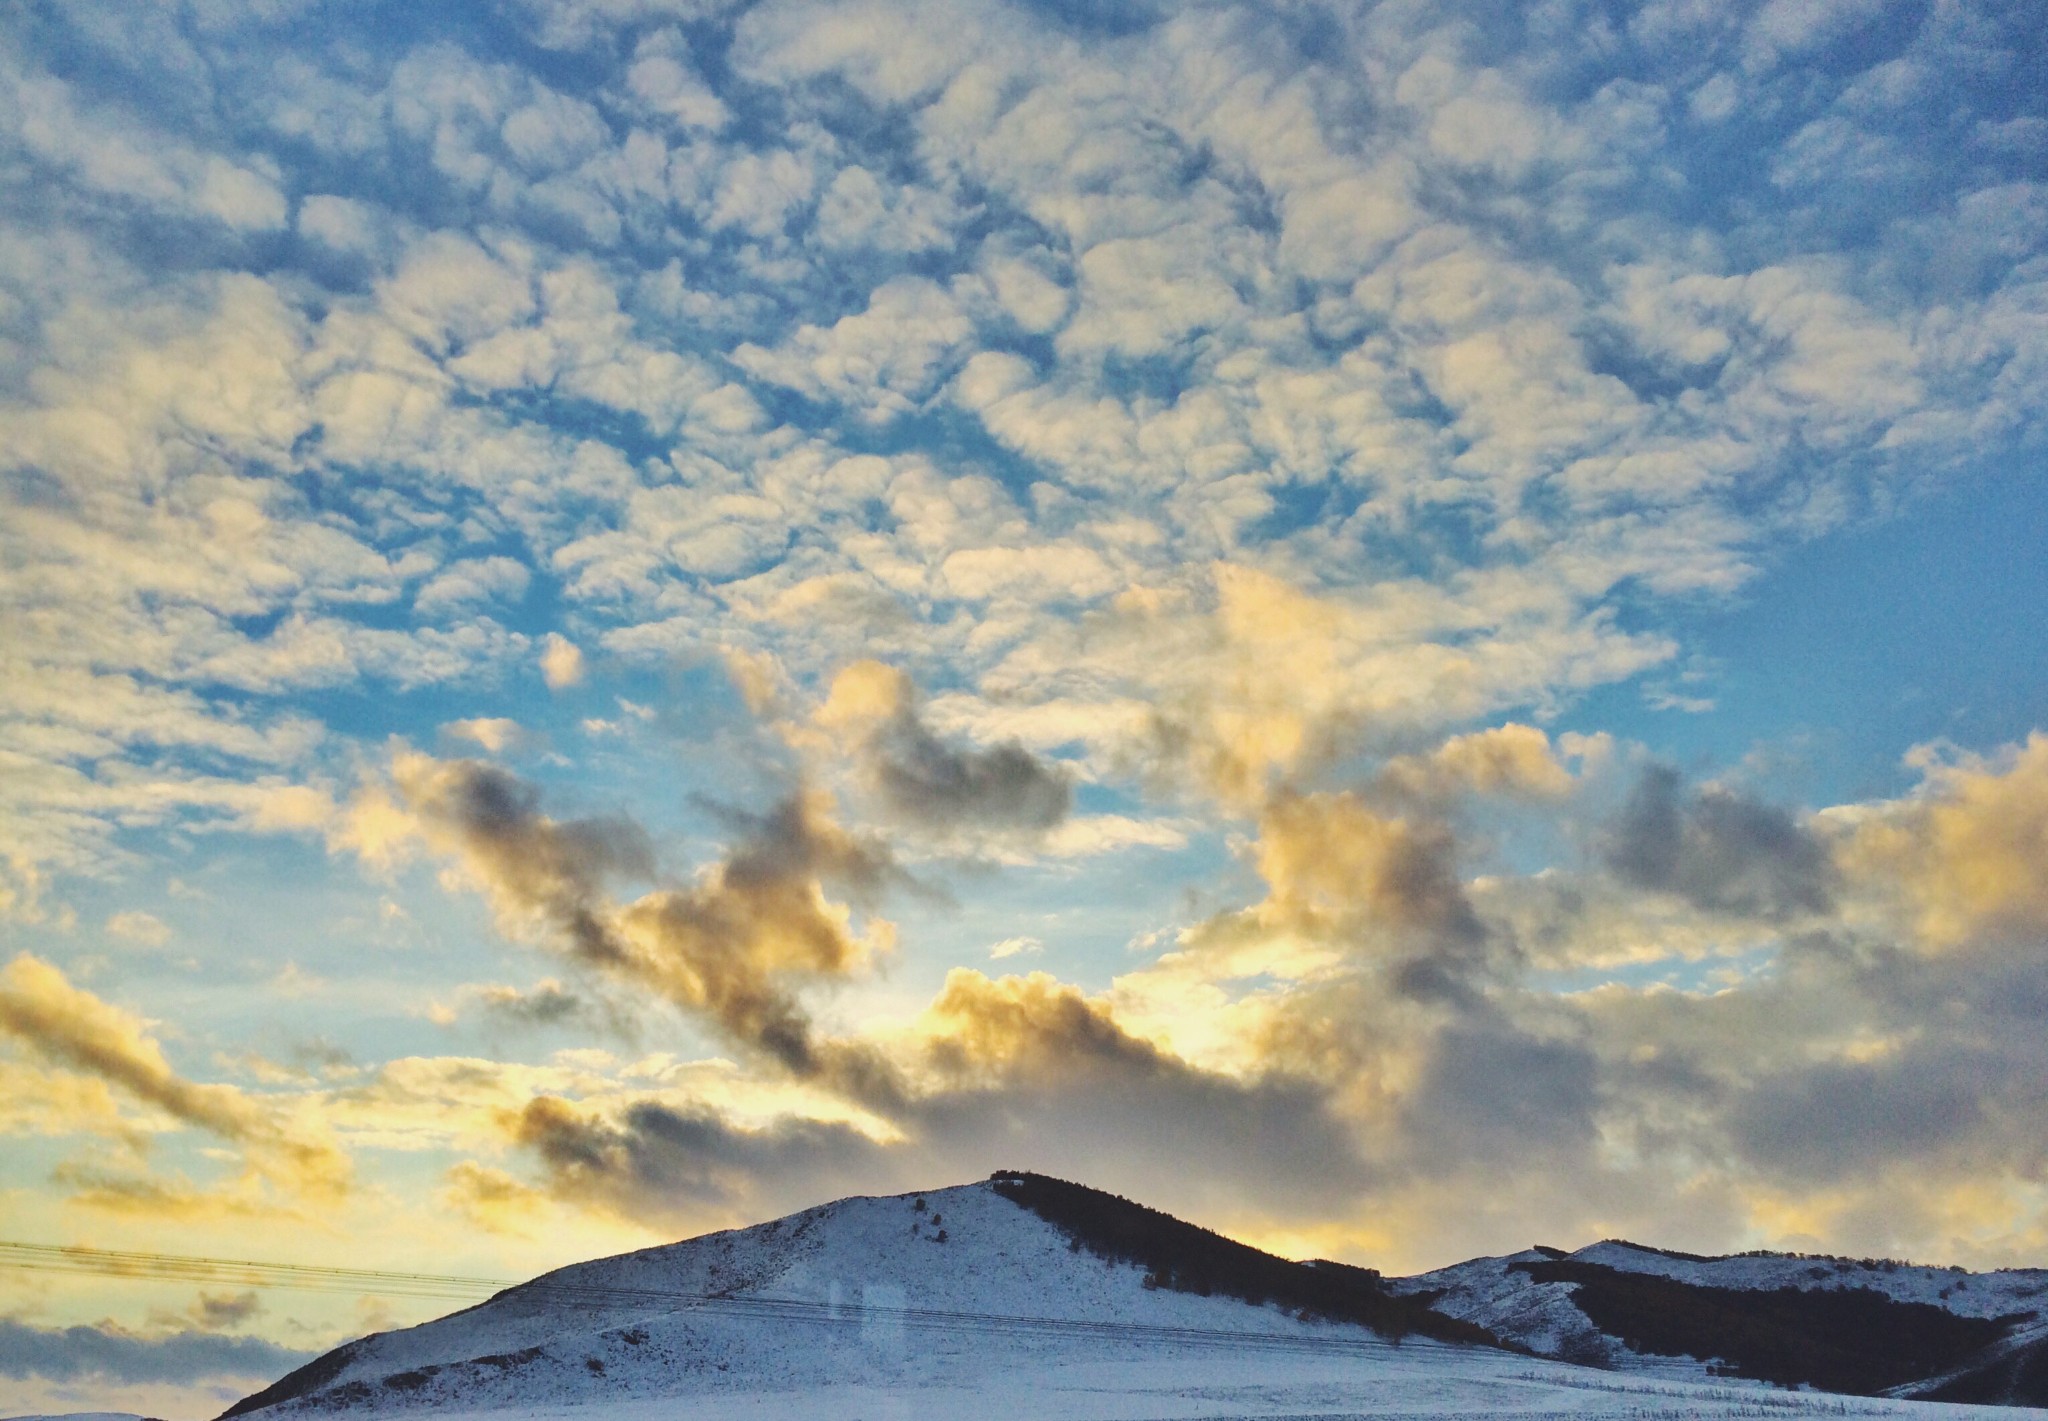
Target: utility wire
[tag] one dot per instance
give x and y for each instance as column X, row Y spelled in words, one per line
column 167, row 1267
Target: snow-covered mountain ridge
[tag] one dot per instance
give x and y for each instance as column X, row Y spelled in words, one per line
column 1853, row 1325
column 1082, row 1304
column 832, row 1293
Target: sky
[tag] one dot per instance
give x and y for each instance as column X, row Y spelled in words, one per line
column 1404, row 629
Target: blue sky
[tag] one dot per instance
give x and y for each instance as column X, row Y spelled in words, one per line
column 623, row 615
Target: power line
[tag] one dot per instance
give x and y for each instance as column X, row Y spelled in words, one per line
column 167, row 1267
column 37, row 1257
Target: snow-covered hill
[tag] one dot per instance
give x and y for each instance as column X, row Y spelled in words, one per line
column 857, row 1290
column 1842, row 1324
column 1025, row 1297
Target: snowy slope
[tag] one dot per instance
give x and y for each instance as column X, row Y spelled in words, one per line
column 1157, row 1381
column 854, row 1291
column 1513, row 1305
column 963, row 1303
column 1538, row 1298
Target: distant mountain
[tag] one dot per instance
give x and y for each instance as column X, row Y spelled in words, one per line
column 1019, row 1264
column 1866, row 1327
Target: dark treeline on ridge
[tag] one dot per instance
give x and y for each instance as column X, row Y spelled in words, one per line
column 1191, row 1259
column 1852, row 1340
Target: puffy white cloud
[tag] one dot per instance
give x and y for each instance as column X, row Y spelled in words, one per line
column 561, row 662
column 882, row 360
column 667, row 84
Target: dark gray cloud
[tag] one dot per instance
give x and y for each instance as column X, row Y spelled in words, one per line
column 214, row 1311
column 556, row 868
column 1497, row 1095
column 1954, row 1078
column 661, row 1164
column 1717, row 849
column 209, row 1312
column 107, row 1353
column 1838, row 1119
column 548, row 1004
column 944, row 786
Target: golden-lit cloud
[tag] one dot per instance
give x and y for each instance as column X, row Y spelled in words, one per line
column 493, row 1200
column 1968, row 853
column 35, row 1100
column 1510, row 760
column 731, row 945
column 1033, row 1029
column 69, row 1026
column 1253, row 681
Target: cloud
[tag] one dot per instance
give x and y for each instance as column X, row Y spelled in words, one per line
column 1337, row 869
column 561, row 662
column 658, row 1163
column 473, row 583
column 1838, row 1119
column 42, row 1101
column 533, row 867
column 667, row 84
column 1500, row 1098
column 729, row 946
column 856, row 210
column 928, row 783
column 139, row 928
column 1964, row 854
column 545, row 1005
column 882, row 361
column 990, row 1062
column 1035, row 1056
column 105, row 156
column 1718, row 850
column 212, row 1312
column 1253, row 682
column 494, row 733
column 1511, row 760
column 1270, row 425
column 548, row 1003
column 107, row 1352
column 734, row 943
column 69, row 1026
column 1014, row 947
column 492, row 1199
